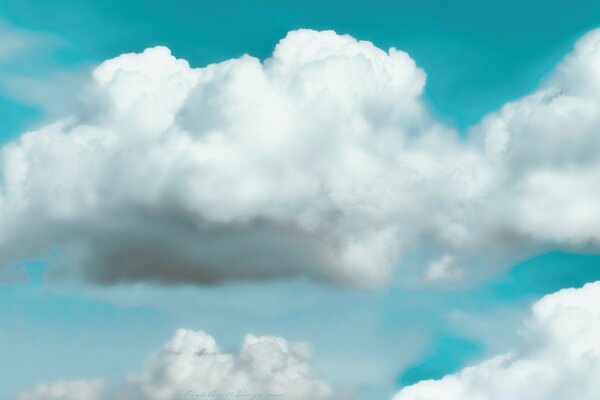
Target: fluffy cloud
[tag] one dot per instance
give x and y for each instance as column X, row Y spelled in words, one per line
column 321, row 161
column 558, row 359
column 192, row 366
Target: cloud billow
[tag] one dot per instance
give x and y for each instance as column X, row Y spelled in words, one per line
column 322, row 161
column 191, row 365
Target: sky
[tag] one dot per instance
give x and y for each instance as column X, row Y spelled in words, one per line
column 392, row 272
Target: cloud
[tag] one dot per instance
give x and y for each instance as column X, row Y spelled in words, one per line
column 191, row 365
column 18, row 42
column 558, row 359
column 32, row 72
column 443, row 269
column 322, row 161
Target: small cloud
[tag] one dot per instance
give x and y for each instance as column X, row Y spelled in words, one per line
column 191, row 365
column 443, row 269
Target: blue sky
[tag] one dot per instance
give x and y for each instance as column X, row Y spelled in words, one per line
column 477, row 55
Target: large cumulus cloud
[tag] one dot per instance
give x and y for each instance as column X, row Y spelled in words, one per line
column 191, row 365
column 558, row 359
column 321, row 161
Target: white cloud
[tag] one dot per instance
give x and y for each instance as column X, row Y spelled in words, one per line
column 191, row 365
column 17, row 42
column 443, row 269
column 32, row 74
column 67, row 390
column 322, row 161
column 558, row 359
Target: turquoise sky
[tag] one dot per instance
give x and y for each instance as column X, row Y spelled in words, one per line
column 477, row 54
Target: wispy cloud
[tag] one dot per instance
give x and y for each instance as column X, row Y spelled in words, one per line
column 32, row 73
